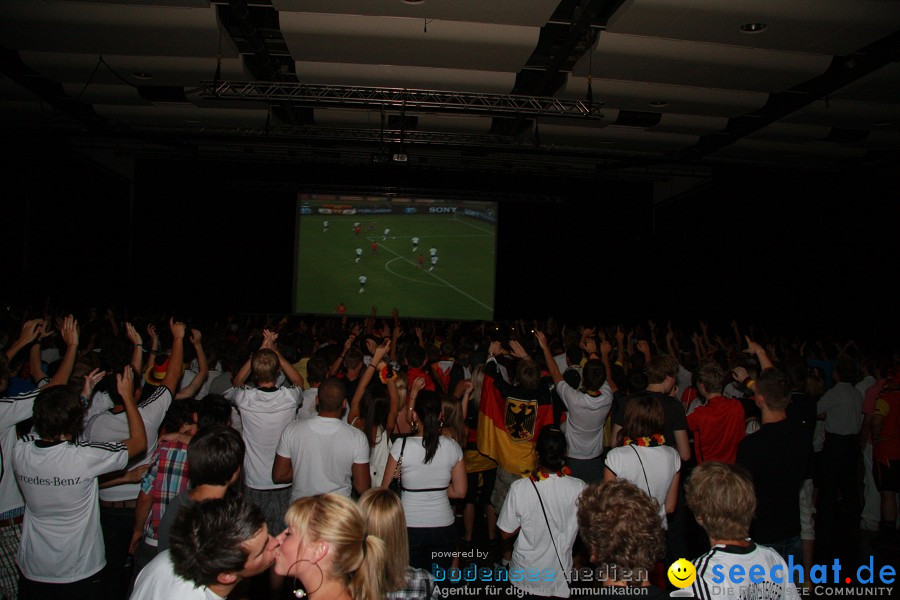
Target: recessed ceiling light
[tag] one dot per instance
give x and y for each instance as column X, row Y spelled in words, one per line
column 142, row 75
column 658, row 104
column 191, row 121
column 413, row 1
column 753, row 27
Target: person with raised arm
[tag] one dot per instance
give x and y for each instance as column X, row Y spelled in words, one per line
column 62, row 549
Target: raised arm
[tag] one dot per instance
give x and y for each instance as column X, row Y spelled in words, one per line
column 754, row 348
column 30, row 332
column 364, row 380
column 176, row 359
column 548, row 356
column 137, row 440
column 336, row 365
column 137, row 352
column 70, row 337
column 196, row 383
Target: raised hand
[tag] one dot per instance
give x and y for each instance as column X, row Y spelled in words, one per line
column 178, row 329
column 90, row 381
column 133, row 335
column 69, row 331
column 125, row 383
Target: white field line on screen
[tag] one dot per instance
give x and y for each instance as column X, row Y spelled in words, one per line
column 418, row 281
column 442, row 280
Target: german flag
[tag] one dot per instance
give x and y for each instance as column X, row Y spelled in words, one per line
column 508, row 427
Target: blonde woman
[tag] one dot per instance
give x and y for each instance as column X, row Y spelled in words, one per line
column 327, row 552
column 383, row 512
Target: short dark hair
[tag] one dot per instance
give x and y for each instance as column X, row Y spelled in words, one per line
column 551, row 448
column 180, row 413
column 58, row 411
column 332, row 393
column 644, row 416
column 316, row 369
column 775, row 388
column 213, row 456
column 213, row 409
column 415, row 355
column 207, row 538
column 528, row 376
column 593, row 374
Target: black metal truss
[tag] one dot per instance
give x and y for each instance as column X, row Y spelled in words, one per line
column 409, row 100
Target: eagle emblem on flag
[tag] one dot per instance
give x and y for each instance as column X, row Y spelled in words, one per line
column 520, row 418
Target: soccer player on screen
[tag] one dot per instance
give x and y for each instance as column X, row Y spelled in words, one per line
column 433, row 251
column 362, row 283
column 434, row 260
column 387, row 232
column 374, row 247
column 358, row 254
column 324, row 226
column 415, row 242
column 421, row 261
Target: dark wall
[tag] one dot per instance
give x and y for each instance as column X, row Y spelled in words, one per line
column 809, row 252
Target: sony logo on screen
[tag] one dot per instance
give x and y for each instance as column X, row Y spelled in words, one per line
column 442, row 209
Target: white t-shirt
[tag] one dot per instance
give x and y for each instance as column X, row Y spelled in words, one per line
column 362, row 280
column 534, row 546
column 427, row 509
column 713, row 580
column 307, row 410
column 13, row 410
column 660, row 463
column 264, row 415
column 158, row 581
column 584, row 423
column 842, row 406
column 323, row 451
column 109, row 427
column 434, row 260
column 432, row 251
column 359, row 251
column 61, row 537
column 415, row 241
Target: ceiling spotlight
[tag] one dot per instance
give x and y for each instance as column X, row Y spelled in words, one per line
column 658, row 104
column 142, row 75
column 753, row 27
column 413, row 1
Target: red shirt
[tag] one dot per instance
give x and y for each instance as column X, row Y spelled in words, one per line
column 718, row 426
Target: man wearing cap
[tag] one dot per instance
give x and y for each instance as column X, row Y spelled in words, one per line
column 118, row 495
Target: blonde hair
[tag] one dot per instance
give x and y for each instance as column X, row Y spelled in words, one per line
column 358, row 559
column 451, row 413
column 265, row 366
column 723, row 500
column 384, row 516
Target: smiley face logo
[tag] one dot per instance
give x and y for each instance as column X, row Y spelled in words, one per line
column 682, row 573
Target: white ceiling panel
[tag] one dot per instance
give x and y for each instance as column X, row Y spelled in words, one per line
column 399, row 41
column 164, row 70
column 56, row 26
column 637, row 95
column 688, row 63
column 821, row 26
column 428, row 78
column 531, row 13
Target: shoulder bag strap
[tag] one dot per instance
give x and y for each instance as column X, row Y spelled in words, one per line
column 642, row 469
column 550, row 529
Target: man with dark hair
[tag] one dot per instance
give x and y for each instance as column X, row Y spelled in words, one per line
column 718, row 423
column 316, row 370
column 587, row 411
column 215, row 545
column 215, row 456
column 777, row 457
column 662, row 372
column 323, row 454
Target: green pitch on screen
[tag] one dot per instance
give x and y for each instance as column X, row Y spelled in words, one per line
column 461, row 285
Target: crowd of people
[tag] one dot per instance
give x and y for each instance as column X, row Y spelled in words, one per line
column 157, row 456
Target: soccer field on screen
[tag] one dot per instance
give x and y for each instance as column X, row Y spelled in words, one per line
column 461, row 285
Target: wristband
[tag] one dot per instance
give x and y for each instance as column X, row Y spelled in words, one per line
column 139, row 346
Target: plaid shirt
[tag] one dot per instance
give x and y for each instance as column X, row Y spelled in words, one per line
column 166, row 478
column 419, row 586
